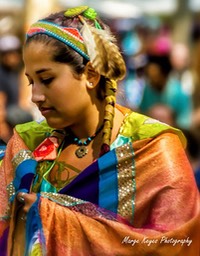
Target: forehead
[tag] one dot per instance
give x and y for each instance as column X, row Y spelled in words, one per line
column 38, row 56
column 35, row 47
column 37, row 51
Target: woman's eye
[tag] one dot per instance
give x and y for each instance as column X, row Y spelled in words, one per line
column 47, row 81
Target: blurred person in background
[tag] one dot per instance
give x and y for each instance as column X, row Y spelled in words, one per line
column 16, row 115
column 162, row 113
column 10, row 72
column 181, row 66
column 10, row 68
column 193, row 152
column 131, row 88
column 195, row 67
column 160, row 88
column 195, row 63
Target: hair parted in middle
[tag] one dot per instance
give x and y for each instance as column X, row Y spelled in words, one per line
column 78, row 36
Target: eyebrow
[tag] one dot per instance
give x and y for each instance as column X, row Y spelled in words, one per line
column 40, row 71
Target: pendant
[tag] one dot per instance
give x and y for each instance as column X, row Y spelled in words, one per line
column 81, row 151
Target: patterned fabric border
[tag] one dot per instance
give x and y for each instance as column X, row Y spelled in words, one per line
column 62, row 199
column 126, row 181
column 20, row 157
column 10, row 190
column 81, row 206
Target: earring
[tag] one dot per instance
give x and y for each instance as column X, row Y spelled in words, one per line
column 90, row 84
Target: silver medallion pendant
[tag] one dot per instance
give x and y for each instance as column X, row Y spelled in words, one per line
column 81, row 151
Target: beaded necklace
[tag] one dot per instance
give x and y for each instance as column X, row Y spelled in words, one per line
column 82, row 149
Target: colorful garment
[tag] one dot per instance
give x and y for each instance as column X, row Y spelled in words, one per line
column 134, row 200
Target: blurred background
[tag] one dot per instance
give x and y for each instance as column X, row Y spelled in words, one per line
column 160, row 42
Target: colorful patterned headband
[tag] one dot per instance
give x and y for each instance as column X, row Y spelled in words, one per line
column 67, row 35
column 94, row 43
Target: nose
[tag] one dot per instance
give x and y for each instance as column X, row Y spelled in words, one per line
column 37, row 94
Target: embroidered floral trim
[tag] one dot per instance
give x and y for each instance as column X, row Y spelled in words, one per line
column 47, row 150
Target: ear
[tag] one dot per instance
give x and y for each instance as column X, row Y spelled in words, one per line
column 92, row 76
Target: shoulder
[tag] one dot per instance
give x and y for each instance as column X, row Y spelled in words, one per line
column 138, row 126
column 33, row 133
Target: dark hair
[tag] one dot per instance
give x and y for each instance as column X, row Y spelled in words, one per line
column 162, row 61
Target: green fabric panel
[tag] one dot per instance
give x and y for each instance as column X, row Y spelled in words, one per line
column 33, row 133
column 137, row 127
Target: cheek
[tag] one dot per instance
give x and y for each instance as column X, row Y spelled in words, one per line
column 68, row 101
column 69, row 95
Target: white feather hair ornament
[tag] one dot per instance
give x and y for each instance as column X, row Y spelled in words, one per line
column 104, row 54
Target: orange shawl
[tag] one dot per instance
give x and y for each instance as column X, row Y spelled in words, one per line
column 166, row 216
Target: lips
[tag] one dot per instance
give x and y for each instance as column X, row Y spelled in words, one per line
column 46, row 110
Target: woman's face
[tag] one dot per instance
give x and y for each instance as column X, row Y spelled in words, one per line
column 155, row 76
column 62, row 98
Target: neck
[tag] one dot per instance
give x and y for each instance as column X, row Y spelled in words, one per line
column 90, row 122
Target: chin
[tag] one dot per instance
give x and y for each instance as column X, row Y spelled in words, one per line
column 55, row 124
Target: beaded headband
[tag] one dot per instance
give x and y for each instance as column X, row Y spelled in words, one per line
column 95, row 44
column 67, row 35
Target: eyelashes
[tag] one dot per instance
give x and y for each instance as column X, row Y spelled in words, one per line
column 47, row 81
column 43, row 81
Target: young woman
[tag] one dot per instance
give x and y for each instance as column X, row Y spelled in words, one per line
column 93, row 178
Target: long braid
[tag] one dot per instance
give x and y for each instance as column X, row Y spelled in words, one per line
column 110, row 99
